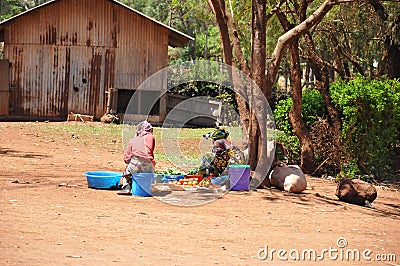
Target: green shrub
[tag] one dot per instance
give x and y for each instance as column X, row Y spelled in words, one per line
column 370, row 117
column 370, row 122
column 313, row 107
column 285, row 134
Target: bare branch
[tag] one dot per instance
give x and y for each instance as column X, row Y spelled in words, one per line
column 236, row 44
column 324, row 62
column 273, row 11
column 293, row 34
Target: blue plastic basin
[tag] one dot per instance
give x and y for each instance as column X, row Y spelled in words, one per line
column 103, row 179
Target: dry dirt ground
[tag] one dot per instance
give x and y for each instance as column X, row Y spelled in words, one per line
column 45, row 223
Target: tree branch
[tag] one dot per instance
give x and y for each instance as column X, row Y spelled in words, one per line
column 236, row 44
column 325, row 63
column 273, row 11
column 293, row 34
column 218, row 7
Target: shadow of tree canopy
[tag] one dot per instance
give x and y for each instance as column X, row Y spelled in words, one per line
column 20, row 154
column 311, row 199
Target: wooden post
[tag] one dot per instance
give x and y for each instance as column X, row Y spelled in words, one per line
column 109, row 96
column 4, row 87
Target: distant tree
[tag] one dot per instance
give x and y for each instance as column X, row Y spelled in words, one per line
column 10, row 8
column 390, row 17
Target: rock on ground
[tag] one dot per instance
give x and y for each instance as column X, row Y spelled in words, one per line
column 356, row 191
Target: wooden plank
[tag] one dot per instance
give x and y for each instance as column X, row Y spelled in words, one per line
column 79, row 117
column 4, row 87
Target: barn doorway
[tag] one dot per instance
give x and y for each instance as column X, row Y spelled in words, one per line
column 143, row 102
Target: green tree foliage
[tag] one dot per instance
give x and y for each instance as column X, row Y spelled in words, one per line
column 10, row 8
column 208, row 45
column 371, row 122
column 354, row 34
column 153, row 8
column 313, row 108
column 370, row 116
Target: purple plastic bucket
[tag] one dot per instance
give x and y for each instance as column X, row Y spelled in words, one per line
column 239, row 176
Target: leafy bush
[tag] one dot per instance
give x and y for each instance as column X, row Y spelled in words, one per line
column 370, row 117
column 285, row 133
column 370, row 122
column 313, row 108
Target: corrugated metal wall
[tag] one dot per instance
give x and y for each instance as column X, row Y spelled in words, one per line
column 65, row 56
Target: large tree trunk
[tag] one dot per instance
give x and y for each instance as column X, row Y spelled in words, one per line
column 300, row 129
column 258, row 112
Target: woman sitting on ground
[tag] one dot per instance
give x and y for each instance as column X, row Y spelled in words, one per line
column 223, row 153
column 139, row 155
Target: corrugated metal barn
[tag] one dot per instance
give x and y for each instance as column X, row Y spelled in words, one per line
column 65, row 55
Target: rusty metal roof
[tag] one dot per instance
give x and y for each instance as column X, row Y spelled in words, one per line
column 175, row 37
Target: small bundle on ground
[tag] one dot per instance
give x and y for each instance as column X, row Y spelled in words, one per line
column 109, row 118
column 289, row 178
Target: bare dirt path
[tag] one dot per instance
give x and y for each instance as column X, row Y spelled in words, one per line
column 45, row 223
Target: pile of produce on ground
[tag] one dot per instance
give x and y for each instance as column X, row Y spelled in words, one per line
column 189, row 180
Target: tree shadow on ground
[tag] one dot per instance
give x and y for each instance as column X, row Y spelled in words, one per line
column 20, row 154
column 308, row 199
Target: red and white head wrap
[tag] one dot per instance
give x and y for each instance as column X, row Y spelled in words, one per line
column 143, row 128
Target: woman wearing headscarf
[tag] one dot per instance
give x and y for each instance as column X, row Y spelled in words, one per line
column 223, row 153
column 139, row 154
